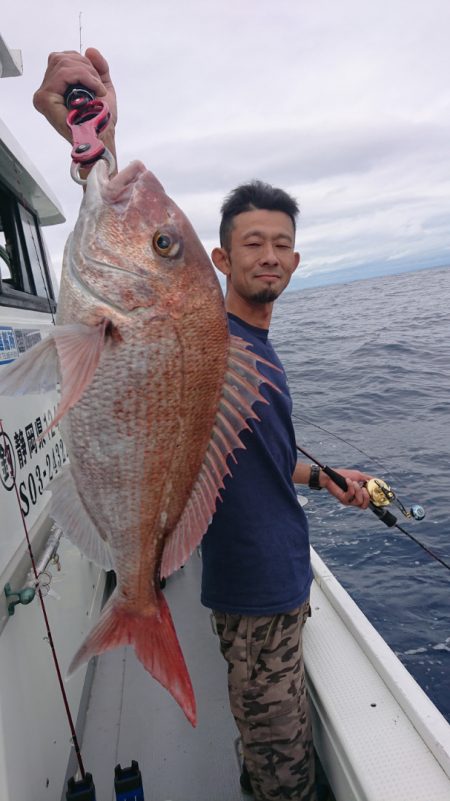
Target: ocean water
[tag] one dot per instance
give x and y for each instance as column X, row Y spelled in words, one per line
column 369, row 361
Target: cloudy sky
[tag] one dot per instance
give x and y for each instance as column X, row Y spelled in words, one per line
column 344, row 103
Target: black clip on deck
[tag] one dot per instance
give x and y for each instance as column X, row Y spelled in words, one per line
column 128, row 783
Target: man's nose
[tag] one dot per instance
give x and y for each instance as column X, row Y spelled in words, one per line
column 269, row 255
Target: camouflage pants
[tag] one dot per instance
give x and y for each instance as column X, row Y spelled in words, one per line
column 266, row 684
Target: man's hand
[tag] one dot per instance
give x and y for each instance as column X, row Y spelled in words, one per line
column 356, row 494
column 64, row 69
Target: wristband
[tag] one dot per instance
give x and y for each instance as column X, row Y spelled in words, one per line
column 314, row 477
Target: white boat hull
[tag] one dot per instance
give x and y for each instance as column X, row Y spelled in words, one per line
column 378, row 736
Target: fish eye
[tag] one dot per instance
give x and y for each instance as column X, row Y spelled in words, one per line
column 168, row 243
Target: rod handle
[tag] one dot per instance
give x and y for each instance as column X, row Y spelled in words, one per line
column 336, row 477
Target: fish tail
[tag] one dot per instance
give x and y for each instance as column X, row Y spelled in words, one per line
column 155, row 642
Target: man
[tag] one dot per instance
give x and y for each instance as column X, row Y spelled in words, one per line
column 256, row 565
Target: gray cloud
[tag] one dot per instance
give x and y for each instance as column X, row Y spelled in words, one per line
column 347, row 105
column 216, row 162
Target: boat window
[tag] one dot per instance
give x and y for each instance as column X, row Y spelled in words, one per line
column 34, row 251
column 5, row 259
column 6, row 245
column 24, row 277
column 21, row 273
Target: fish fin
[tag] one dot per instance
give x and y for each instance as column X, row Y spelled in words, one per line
column 155, row 643
column 70, row 514
column 79, row 349
column 76, row 347
column 34, row 371
column 240, row 391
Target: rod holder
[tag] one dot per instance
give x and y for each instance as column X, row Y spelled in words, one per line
column 128, row 783
column 82, row 790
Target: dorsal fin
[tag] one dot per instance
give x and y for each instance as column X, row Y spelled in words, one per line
column 240, row 392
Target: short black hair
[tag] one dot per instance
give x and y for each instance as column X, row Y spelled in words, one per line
column 254, row 195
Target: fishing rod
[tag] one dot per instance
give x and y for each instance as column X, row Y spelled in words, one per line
column 381, row 495
column 333, row 434
column 36, row 575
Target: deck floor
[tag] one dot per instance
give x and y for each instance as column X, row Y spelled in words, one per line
column 130, row 716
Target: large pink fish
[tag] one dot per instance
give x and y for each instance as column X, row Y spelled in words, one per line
column 154, row 393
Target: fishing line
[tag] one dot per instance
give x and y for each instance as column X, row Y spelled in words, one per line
column 44, row 611
column 346, row 441
column 427, row 550
column 386, row 517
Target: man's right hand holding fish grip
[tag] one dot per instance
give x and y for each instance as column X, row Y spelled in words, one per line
column 69, row 67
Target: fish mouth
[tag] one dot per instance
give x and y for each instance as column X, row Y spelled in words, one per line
column 118, row 190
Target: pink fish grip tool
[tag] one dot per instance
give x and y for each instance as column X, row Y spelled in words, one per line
column 87, row 118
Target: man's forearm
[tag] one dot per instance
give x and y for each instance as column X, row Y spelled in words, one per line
column 301, row 473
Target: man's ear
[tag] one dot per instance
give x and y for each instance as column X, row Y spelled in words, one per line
column 220, row 260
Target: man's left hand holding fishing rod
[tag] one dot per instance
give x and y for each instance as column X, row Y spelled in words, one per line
column 355, row 494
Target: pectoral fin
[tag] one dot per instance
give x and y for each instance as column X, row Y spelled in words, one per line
column 33, row 372
column 79, row 349
column 70, row 354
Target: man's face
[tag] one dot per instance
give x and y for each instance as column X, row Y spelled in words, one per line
column 261, row 258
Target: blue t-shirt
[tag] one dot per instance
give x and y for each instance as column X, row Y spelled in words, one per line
column 256, row 551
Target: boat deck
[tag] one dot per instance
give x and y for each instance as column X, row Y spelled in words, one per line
column 130, row 716
column 377, row 734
